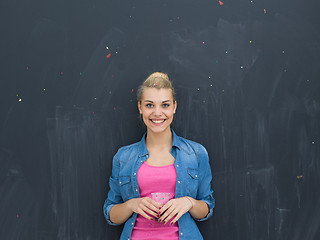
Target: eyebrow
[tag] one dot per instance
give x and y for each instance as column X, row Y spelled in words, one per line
column 162, row 101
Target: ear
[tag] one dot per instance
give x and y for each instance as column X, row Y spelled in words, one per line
column 175, row 107
column 139, row 107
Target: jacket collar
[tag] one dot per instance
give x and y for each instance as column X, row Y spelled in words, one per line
column 143, row 149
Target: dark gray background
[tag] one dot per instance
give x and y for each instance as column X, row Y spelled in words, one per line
column 247, row 84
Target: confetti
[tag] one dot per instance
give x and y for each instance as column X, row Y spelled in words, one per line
column 80, row 73
column 312, row 142
column 108, row 56
column 132, row 90
column 241, row 67
column 20, row 99
column 265, row 11
column 221, row 3
column 17, row 216
column 250, row 41
column 27, row 68
column 107, row 47
column 300, row 176
column 61, row 73
column 203, row 42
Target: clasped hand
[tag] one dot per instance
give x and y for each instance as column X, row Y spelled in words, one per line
column 173, row 208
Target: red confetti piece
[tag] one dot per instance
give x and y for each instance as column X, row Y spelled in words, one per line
column 265, row 11
column 61, row 73
column 108, row 56
column 132, row 90
column 17, row 215
column 27, row 68
column 114, row 108
column 221, row 3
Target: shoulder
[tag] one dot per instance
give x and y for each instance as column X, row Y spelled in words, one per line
column 128, row 150
column 191, row 147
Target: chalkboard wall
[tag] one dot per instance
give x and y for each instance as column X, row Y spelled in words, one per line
column 247, row 77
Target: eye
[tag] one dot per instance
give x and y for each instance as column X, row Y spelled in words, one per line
column 165, row 105
column 148, row 105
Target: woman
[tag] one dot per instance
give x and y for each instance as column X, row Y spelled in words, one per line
column 160, row 162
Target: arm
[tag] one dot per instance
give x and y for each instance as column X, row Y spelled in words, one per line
column 115, row 210
column 200, row 208
column 204, row 191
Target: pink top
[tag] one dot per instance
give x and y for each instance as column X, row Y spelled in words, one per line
column 153, row 179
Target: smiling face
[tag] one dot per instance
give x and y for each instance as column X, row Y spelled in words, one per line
column 157, row 108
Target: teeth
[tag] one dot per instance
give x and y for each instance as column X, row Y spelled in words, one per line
column 157, row 121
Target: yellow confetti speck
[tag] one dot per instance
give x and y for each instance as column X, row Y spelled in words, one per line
column 20, row 99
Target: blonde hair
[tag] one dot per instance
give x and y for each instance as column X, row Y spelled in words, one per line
column 156, row 80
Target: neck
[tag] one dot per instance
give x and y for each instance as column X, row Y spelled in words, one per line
column 159, row 140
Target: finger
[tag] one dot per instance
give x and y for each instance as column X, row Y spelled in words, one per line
column 176, row 218
column 165, row 207
column 171, row 215
column 166, row 214
column 153, row 205
column 142, row 213
column 147, row 210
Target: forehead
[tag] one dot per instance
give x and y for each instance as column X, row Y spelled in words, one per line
column 155, row 94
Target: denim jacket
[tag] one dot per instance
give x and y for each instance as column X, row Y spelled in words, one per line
column 193, row 179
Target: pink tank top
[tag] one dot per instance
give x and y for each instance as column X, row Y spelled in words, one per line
column 153, row 179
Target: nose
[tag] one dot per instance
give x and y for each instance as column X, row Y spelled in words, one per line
column 157, row 111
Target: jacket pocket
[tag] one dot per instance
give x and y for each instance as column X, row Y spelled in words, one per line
column 124, row 183
column 193, row 181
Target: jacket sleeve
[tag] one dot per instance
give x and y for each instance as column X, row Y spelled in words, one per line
column 114, row 195
column 205, row 176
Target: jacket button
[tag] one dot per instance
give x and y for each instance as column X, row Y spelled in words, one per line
column 178, row 181
column 177, row 165
column 181, row 233
column 135, row 174
column 136, row 190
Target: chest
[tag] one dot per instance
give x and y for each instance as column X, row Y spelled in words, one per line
column 160, row 158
